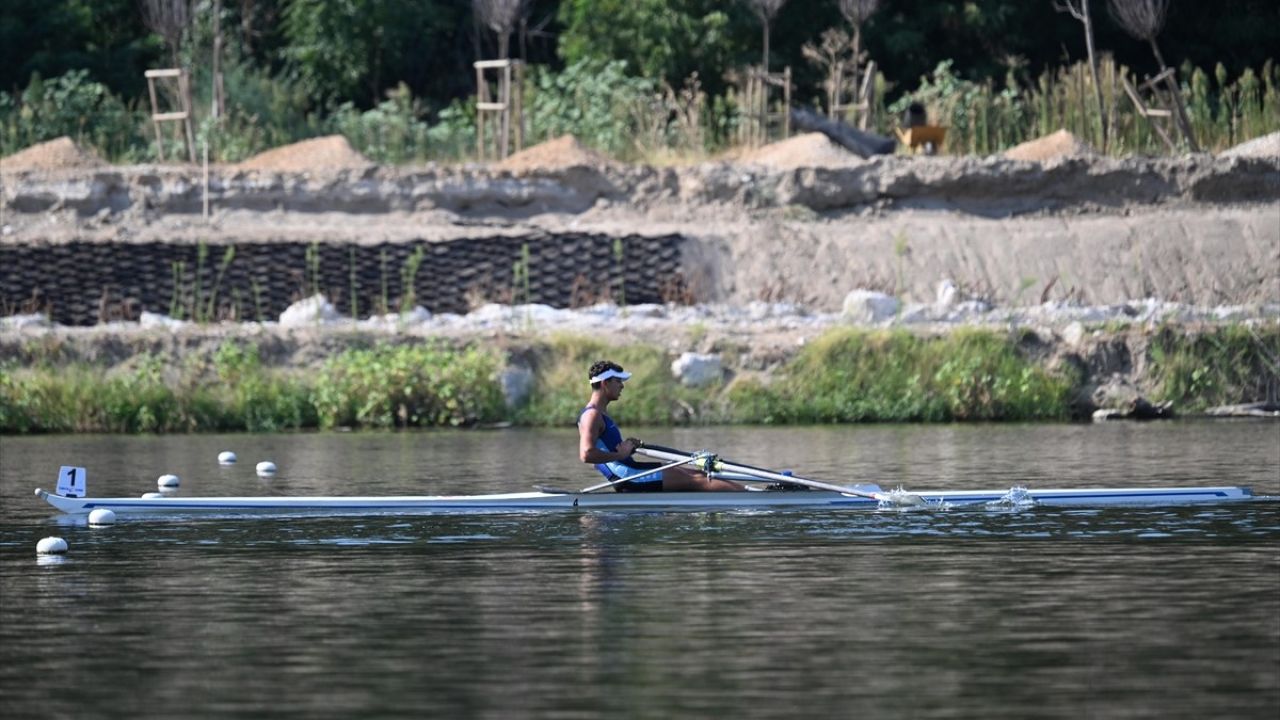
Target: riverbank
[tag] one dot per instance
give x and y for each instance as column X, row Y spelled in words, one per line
column 798, row 283
column 785, row 370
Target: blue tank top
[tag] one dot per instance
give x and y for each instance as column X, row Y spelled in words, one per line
column 609, row 440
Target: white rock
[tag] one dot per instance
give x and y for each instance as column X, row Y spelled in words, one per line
column 315, row 310
column 868, row 306
column 1073, row 334
column 168, row 480
column 226, row 457
column 102, row 516
column 946, row 295
column 51, row 546
column 17, row 322
column 266, row 467
column 150, row 320
column 697, row 369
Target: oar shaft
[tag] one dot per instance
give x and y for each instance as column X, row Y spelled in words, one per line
column 666, row 453
column 646, row 473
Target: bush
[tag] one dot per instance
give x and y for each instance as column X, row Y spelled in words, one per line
column 75, row 106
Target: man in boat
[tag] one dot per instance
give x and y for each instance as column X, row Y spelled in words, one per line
column 600, row 443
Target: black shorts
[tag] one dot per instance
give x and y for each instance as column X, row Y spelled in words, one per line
column 642, row 486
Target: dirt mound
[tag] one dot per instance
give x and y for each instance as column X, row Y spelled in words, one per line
column 331, row 152
column 1061, row 144
column 558, row 154
column 52, row 155
column 1267, row 146
column 808, row 150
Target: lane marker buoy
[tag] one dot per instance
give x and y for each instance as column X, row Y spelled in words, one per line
column 266, row 467
column 149, row 496
column 51, row 546
column 102, row 516
column 169, row 480
column 226, row 457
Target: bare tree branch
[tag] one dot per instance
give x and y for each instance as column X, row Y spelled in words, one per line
column 858, row 11
column 502, row 17
column 766, row 10
column 1143, row 19
column 169, row 19
column 1079, row 9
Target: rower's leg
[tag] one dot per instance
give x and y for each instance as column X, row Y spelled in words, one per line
column 685, row 480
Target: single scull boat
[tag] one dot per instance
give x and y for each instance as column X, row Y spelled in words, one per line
column 570, row 500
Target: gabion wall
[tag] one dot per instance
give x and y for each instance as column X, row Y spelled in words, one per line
column 85, row 283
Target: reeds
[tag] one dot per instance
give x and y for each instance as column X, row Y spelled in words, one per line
column 983, row 118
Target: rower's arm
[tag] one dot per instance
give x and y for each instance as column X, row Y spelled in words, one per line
column 589, row 428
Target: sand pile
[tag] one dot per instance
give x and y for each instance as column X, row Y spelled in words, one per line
column 1061, row 144
column 808, row 150
column 52, row 155
column 331, row 152
column 558, row 154
column 1267, row 146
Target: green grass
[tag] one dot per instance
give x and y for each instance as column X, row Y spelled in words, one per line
column 1217, row 366
column 849, row 376
column 845, row 376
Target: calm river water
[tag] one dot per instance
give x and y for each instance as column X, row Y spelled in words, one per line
column 1122, row 612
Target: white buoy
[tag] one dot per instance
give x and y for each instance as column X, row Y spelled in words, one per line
column 226, row 457
column 149, row 496
column 102, row 516
column 168, row 481
column 266, row 467
column 51, row 546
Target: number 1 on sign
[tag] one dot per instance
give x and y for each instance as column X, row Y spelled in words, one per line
column 71, row 481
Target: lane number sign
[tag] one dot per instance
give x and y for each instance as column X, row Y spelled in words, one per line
column 71, row 481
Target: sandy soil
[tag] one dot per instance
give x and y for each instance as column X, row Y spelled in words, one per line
column 801, row 220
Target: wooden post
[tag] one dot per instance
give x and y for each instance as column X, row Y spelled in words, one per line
column 482, row 97
column 786, row 103
column 183, row 115
column 509, row 99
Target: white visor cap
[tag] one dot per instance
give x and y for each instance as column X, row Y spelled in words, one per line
column 611, row 373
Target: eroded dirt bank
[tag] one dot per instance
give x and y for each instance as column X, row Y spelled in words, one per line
column 1199, row 229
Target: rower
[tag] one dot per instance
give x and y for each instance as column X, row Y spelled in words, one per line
column 600, row 443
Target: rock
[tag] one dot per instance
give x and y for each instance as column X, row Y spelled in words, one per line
column 516, row 382
column 1257, row 409
column 1073, row 334
column 26, row 320
column 315, row 310
column 1120, row 401
column 869, row 306
column 150, row 319
column 697, row 369
column 946, row 295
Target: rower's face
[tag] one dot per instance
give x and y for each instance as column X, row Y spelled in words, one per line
column 615, row 386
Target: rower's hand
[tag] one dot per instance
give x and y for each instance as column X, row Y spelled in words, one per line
column 628, row 447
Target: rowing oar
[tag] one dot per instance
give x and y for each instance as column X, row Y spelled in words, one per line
column 646, row 473
column 711, row 463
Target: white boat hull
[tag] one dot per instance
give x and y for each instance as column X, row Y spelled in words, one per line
column 427, row 504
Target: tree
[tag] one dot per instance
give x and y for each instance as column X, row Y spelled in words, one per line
column 1144, row 19
column 858, row 12
column 169, row 19
column 658, row 39
column 766, row 10
column 500, row 16
column 1079, row 9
